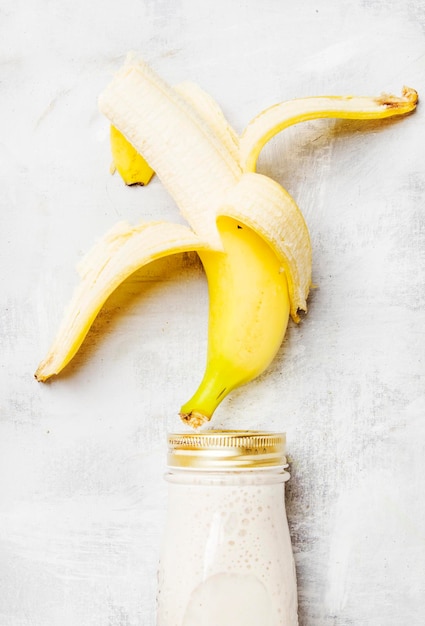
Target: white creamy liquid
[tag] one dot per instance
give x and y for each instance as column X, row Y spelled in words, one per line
column 227, row 557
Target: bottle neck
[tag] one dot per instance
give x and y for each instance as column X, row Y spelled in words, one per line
column 261, row 476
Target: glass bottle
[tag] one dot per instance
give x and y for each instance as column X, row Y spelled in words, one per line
column 226, row 557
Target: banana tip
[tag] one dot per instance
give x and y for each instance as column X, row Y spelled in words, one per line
column 410, row 94
column 409, row 97
column 40, row 374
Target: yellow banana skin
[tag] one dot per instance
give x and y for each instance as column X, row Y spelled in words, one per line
column 248, row 315
column 280, row 116
column 129, row 164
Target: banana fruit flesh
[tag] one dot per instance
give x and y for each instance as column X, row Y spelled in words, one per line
column 249, row 233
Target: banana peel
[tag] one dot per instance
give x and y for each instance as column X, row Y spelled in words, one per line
column 129, row 164
column 242, row 224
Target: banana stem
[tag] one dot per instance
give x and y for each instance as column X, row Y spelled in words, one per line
column 210, row 393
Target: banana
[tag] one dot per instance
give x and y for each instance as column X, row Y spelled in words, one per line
column 249, row 233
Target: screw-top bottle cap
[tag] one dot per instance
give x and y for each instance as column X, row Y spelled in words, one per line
column 226, row 450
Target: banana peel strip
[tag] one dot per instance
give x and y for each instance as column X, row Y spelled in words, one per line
column 122, row 251
column 280, row 116
column 208, row 109
column 262, row 204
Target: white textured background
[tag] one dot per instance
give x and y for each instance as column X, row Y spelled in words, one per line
column 82, row 499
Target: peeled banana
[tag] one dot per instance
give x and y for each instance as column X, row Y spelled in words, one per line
column 249, row 233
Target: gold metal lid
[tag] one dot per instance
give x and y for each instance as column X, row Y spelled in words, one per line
column 226, row 450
